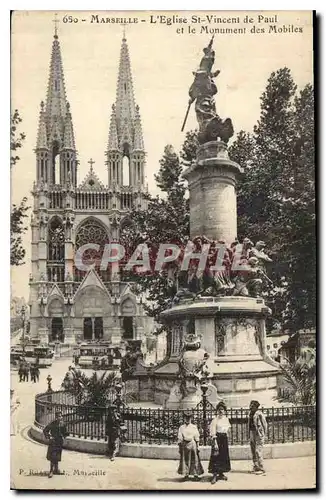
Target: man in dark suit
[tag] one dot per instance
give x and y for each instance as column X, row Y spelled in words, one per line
column 55, row 431
column 113, row 432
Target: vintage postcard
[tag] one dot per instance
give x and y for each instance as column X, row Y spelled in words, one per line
column 163, row 291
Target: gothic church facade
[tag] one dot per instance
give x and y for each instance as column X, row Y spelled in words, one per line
column 68, row 304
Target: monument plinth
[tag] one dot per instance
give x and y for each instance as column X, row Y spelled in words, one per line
column 211, row 182
column 226, row 311
column 232, row 332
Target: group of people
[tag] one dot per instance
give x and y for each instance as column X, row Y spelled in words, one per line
column 219, row 463
column 25, row 369
column 188, row 441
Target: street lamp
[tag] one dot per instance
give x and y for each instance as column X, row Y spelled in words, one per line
column 49, row 380
column 23, row 315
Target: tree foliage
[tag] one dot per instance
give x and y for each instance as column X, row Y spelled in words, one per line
column 90, row 391
column 16, row 139
column 301, row 377
column 17, row 229
column 276, row 197
column 18, row 212
column 166, row 220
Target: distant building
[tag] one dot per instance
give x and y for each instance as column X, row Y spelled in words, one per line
column 292, row 349
column 274, row 342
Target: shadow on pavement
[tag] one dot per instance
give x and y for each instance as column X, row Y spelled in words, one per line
column 176, row 479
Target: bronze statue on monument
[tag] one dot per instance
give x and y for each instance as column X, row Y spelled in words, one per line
column 211, row 126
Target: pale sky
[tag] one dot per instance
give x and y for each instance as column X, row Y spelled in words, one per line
column 162, row 62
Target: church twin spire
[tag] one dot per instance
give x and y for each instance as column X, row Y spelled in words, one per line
column 125, row 140
column 125, row 126
column 55, row 138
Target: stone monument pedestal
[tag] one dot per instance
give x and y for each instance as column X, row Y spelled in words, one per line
column 213, row 204
column 232, row 332
column 177, row 401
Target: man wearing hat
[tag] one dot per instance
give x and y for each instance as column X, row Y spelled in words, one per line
column 257, row 431
column 55, row 431
column 113, row 431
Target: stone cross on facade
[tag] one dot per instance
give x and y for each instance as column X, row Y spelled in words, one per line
column 91, row 162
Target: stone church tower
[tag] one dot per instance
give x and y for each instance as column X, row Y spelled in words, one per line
column 67, row 303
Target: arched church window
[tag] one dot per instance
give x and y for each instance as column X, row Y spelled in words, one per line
column 125, row 171
column 56, row 163
column 56, row 251
column 92, row 232
column 56, row 241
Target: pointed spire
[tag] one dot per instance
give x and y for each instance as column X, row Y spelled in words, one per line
column 138, row 139
column 55, row 132
column 41, row 142
column 113, row 144
column 125, row 124
column 56, row 93
column 68, row 136
column 125, row 103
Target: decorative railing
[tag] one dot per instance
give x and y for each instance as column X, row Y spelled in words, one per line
column 92, row 200
column 160, row 426
column 56, row 197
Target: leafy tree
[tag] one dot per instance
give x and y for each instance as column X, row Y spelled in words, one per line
column 16, row 141
column 90, row 391
column 17, row 229
column 276, row 195
column 18, row 212
column 166, row 220
column 301, row 377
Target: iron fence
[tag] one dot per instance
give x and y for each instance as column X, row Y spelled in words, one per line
column 160, row 426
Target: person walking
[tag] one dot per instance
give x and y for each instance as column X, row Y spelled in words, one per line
column 14, row 410
column 32, row 373
column 188, row 441
column 21, row 371
column 56, row 432
column 37, row 373
column 257, row 426
column 25, row 371
column 113, row 432
column 219, row 461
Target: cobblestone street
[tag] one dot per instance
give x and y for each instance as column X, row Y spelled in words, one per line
column 29, row 466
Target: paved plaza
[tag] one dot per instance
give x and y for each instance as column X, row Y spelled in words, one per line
column 29, row 466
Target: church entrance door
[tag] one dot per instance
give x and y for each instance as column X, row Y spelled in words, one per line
column 57, row 330
column 88, row 328
column 128, row 329
column 98, row 328
column 93, row 328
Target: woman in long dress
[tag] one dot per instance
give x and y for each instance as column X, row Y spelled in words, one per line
column 219, row 462
column 188, row 441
